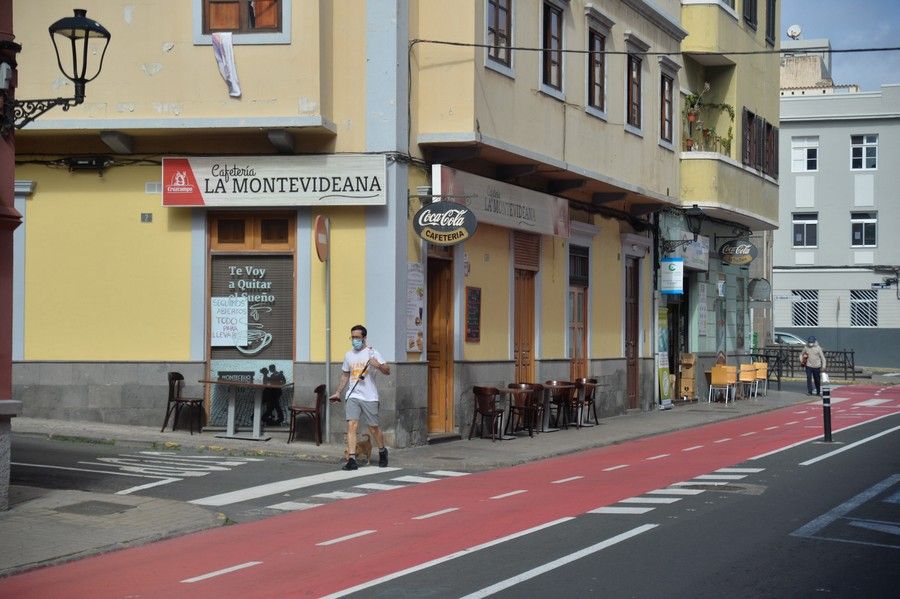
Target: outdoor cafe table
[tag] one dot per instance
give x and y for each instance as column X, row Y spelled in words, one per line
column 563, row 386
column 516, row 397
column 233, row 386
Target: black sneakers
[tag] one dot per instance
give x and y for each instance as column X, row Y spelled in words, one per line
column 351, row 464
column 382, row 457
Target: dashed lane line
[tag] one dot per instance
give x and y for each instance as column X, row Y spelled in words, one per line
column 355, row 535
column 220, row 572
column 510, row 494
column 692, row 448
column 566, row 480
column 619, row 467
column 748, row 434
column 658, row 457
column 722, row 440
column 434, row 514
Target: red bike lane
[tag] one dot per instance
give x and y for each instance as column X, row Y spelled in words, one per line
column 350, row 542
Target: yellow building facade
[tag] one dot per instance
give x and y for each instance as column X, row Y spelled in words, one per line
column 198, row 164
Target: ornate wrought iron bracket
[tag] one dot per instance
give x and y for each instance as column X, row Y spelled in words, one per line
column 19, row 113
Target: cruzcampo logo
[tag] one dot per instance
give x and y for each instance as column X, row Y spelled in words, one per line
column 444, row 223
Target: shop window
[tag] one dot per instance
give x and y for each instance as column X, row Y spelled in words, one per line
column 251, row 232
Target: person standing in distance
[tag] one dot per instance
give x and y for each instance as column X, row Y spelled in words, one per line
column 360, row 365
column 815, row 364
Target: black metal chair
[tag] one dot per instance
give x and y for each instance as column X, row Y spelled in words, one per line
column 177, row 402
column 562, row 396
column 486, row 407
column 588, row 397
column 314, row 413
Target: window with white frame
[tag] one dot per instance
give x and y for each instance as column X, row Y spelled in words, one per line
column 863, row 227
column 863, row 152
column 665, row 107
column 805, row 154
column 633, row 106
column 499, row 31
column 805, row 307
column 863, row 308
column 251, row 21
column 552, row 56
column 806, row 228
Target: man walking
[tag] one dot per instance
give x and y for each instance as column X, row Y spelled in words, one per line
column 814, row 359
column 360, row 365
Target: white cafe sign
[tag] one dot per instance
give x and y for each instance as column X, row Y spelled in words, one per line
column 258, row 181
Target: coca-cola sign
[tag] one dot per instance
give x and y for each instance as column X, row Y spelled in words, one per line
column 444, row 223
column 737, row 252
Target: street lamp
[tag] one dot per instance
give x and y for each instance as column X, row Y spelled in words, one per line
column 85, row 37
column 693, row 219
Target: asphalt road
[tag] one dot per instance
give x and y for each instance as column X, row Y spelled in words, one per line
column 753, row 507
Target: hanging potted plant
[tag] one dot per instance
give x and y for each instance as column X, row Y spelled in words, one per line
column 692, row 104
column 689, row 143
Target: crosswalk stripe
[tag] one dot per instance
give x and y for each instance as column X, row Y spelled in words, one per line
column 414, row 479
column 661, row 500
column 292, row 506
column 447, row 473
column 339, row 495
column 739, row 470
column 720, row 477
column 675, row 492
column 690, row 483
column 378, row 487
column 621, row 510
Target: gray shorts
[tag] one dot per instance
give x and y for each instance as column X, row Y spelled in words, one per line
column 367, row 409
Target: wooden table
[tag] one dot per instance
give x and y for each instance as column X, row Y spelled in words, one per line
column 233, row 386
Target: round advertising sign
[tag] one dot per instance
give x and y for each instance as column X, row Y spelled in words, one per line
column 444, row 223
column 737, row 252
column 321, row 227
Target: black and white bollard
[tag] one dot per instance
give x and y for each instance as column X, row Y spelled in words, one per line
column 826, row 411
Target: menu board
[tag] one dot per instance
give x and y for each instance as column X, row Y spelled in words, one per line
column 415, row 304
column 473, row 314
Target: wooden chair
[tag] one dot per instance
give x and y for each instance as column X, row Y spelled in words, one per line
column 589, row 387
column 762, row 376
column 720, row 379
column 562, row 396
column 527, row 407
column 314, row 413
column 177, row 402
column 747, row 379
column 486, row 407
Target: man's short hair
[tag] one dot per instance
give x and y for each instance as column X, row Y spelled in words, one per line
column 361, row 329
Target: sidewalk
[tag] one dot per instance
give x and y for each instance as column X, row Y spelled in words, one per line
column 44, row 527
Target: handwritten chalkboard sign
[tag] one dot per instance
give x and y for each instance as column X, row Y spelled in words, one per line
column 473, row 314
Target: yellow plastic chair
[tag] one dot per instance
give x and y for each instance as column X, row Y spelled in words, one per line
column 720, row 379
column 762, row 376
column 747, row 378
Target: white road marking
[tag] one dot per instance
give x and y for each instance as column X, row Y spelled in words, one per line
column 566, row 480
column 657, row 457
column 791, row 422
column 811, row 418
column 285, row 486
column 293, row 506
column 722, row 440
column 748, row 434
column 771, row 428
column 675, row 492
column 437, row 513
column 610, row 509
column 740, row 470
column 447, row 473
column 690, row 483
column 692, row 448
column 414, row 479
column 798, row 443
column 444, row 559
column 339, row 495
column 510, row 494
column 661, row 500
column 557, row 563
column 851, row 446
column 611, row 468
column 720, row 477
column 871, row 403
column 812, row 528
column 355, row 535
column 196, row 457
column 88, row 470
column 220, row 572
column 379, row 487
column 158, row 483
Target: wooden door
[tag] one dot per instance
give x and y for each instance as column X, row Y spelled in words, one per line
column 523, row 335
column 577, row 332
column 440, row 346
column 631, row 331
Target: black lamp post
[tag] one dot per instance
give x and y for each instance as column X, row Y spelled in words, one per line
column 85, row 36
column 693, row 219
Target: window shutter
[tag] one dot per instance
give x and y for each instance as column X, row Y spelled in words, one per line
column 526, row 250
column 774, row 172
column 266, row 12
column 223, row 15
column 745, row 127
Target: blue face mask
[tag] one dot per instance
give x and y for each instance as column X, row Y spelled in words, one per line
column 357, row 344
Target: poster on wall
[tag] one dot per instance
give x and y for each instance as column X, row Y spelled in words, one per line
column 702, row 309
column 415, row 306
column 671, row 276
column 662, row 329
column 228, row 321
column 662, row 370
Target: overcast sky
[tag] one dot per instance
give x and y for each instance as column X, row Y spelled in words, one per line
column 855, row 24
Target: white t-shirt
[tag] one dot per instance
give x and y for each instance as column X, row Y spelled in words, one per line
column 354, row 361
